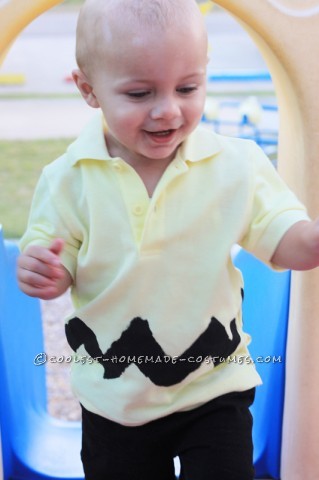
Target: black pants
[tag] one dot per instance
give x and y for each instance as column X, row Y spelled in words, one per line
column 213, row 442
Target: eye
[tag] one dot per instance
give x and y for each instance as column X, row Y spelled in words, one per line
column 138, row 94
column 187, row 89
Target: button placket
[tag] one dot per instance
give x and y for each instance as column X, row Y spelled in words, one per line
column 154, row 228
column 134, row 195
column 146, row 221
column 138, row 210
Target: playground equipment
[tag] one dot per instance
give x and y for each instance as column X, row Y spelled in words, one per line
column 287, row 34
column 244, row 119
column 35, row 446
column 266, row 321
column 15, row 15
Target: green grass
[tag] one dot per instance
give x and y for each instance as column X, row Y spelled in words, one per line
column 73, row 2
column 21, row 163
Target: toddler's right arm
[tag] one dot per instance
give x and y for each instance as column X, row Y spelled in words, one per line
column 40, row 272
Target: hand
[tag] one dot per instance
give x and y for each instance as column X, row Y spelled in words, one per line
column 40, row 272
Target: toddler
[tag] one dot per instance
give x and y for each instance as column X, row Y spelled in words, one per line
column 138, row 217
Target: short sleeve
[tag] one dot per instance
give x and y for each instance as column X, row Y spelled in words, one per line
column 50, row 219
column 274, row 208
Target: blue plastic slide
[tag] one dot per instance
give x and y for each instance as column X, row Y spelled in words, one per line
column 265, row 316
column 35, row 446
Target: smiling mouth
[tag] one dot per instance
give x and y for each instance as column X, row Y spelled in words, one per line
column 162, row 133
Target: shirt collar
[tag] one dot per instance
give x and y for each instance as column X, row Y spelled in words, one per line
column 201, row 144
column 90, row 145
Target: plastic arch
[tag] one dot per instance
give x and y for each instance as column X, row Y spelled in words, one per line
column 15, row 15
column 287, row 34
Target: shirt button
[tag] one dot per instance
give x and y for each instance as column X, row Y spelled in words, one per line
column 118, row 166
column 137, row 210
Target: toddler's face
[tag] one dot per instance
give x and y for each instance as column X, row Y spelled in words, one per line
column 151, row 89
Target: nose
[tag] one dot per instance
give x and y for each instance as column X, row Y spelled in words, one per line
column 165, row 108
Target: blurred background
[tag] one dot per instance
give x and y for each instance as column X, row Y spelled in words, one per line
column 42, row 112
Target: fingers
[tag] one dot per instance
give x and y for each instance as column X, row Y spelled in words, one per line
column 35, row 287
column 40, row 271
column 57, row 246
column 48, row 256
column 28, row 265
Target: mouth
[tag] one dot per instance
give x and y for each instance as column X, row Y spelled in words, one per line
column 162, row 133
column 162, row 137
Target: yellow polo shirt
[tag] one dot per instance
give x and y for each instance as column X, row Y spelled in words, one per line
column 157, row 326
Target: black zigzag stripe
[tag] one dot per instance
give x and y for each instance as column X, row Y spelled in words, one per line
column 137, row 341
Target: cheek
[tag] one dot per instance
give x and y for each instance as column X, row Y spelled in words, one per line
column 195, row 111
column 123, row 117
column 122, row 126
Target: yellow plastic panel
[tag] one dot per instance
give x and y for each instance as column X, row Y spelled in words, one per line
column 287, row 33
column 15, row 15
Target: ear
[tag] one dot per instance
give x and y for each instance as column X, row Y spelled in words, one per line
column 85, row 87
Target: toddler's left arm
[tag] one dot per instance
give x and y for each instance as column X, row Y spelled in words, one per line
column 299, row 247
